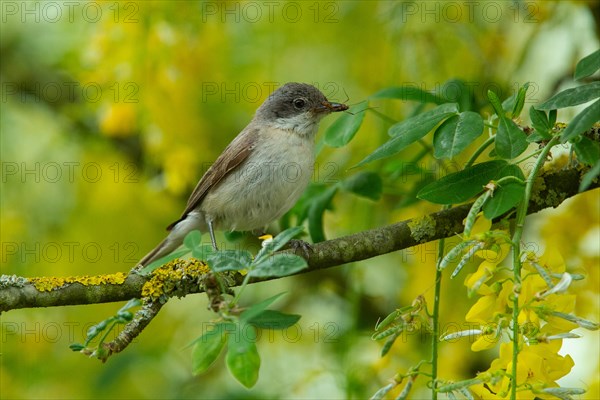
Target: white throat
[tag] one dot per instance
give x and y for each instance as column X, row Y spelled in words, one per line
column 304, row 124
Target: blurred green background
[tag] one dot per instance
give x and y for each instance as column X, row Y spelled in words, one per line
column 111, row 111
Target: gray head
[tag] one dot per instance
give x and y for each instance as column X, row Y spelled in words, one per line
column 297, row 106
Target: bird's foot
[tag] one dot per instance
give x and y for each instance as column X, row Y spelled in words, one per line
column 300, row 245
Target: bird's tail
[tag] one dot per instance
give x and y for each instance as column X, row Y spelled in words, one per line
column 177, row 232
column 165, row 247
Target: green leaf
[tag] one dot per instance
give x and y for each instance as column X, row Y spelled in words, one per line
column 129, row 305
column 408, row 93
column 587, row 65
column 278, row 265
column 124, row 316
column 300, row 210
column 511, row 170
column 456, row 133
column 510, row 139
column 540, row 122
column 272, row 319
column 315, row 214
column 208, row 347
column 589, row 177
column 234, row 236
column 242, row 357
column 572, row 97
column 421, row 124
column 535, row 137
column 520, row 101
column 509, row 104
column 95, row 330
column 392, row 146
column 552, row 118
column 258, row 308
column 588, row 151
column 495, row 102
column 366, row 183
column 229, row 260
column 582, row 122
column 461, row 186
column 409, row 131
column 505, row 197
column 163, row 260
column 203, row 251
column 192, row 239
column 341, row 132
column 76, row 346
column 456, row 91
column 278, row 242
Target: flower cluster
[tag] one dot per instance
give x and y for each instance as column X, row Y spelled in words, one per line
column 545, row 318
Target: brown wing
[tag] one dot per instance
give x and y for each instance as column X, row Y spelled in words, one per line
column 234, row 154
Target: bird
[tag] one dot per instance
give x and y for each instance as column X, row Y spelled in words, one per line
column 261, row 174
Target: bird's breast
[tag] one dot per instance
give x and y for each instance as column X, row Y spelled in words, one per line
column 266, row 185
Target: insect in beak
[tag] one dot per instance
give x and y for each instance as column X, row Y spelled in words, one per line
column 331, row 107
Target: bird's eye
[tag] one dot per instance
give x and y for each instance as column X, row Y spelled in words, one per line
column 299, row 103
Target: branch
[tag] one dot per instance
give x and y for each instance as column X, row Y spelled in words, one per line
column 142, row 319
column 552, row 188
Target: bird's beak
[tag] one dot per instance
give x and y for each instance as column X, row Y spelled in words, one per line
column 327, row 106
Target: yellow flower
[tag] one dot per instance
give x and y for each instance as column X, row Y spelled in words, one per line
column 538, row 367
column 495, row 254
column 491, row 258
column 533, row 306
column 489, row 307
column 482, row 310
column 501, row 386
column 119, row 120
column 476, row 281
column 485, row 340
column 482, row 391
column 561, row 303
column 528, row 301
column 481, row 225
column 180, row 169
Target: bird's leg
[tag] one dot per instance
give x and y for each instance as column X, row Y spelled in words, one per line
column 212, row 235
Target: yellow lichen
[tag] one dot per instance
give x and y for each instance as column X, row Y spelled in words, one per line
column 167, row 278
column 422, row 229
column 47, row 284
